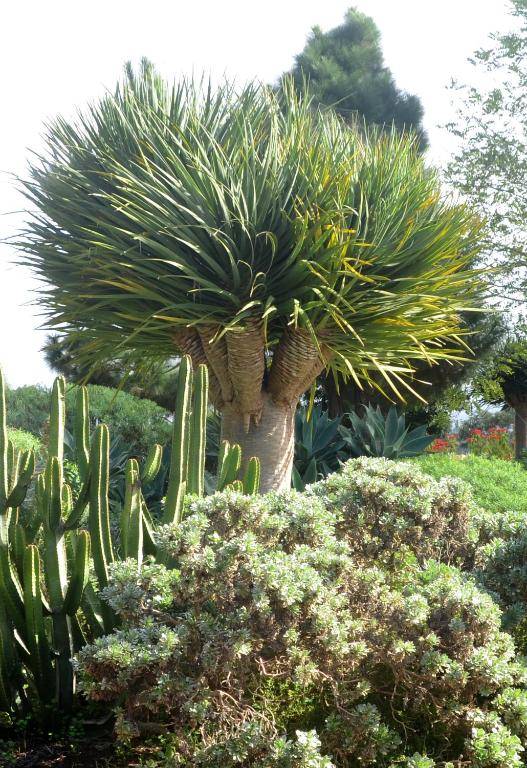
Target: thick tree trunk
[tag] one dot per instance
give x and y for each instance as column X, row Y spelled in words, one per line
column 520, row 428
column 272, row 440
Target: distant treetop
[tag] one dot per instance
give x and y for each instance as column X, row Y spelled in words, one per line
column 345, row 70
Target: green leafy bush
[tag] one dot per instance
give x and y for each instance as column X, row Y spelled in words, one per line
column 285, row 636
column 497, row 485
column 137, row 422
column 28, row 408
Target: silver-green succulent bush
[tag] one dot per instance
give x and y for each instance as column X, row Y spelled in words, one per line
column 384, row 508
column 501, row 566
column 291, row 631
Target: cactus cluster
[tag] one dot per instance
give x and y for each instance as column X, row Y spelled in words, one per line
column 55, row 550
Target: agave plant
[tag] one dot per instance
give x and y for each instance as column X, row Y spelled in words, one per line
column 318, row 446
column 261, row 236
column 377, row 435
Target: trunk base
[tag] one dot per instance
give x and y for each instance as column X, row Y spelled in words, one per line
column 272, row 440
column 520, row 428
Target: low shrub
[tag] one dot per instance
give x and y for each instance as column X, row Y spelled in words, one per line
column 383, row 508
column 497, row 530
column 278, row 639
column 501, row 566
column 497, row 485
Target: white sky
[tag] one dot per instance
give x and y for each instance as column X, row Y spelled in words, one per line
column 56, row 55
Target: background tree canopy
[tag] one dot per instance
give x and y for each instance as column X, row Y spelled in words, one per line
column 346, row 71
column 502, row 380
column 490, row 167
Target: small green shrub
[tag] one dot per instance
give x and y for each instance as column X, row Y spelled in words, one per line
column 279, row 639
column 137, row 422
column 497, row 485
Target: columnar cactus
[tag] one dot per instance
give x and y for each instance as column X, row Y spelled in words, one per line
column 180, row 441
column 46, row 556
column 34, row 584
column 198, row 433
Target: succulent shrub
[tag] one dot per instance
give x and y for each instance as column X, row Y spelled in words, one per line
column 502, row 568
column 276, row 639
column 384, row 508
column 318, row 446
column 374, row 434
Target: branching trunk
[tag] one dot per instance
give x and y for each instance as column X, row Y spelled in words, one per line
column 272, row 440
column 257, row 404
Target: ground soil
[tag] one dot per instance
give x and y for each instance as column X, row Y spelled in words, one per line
column 93, row 750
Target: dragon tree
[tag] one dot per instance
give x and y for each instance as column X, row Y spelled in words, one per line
column 255, row 233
